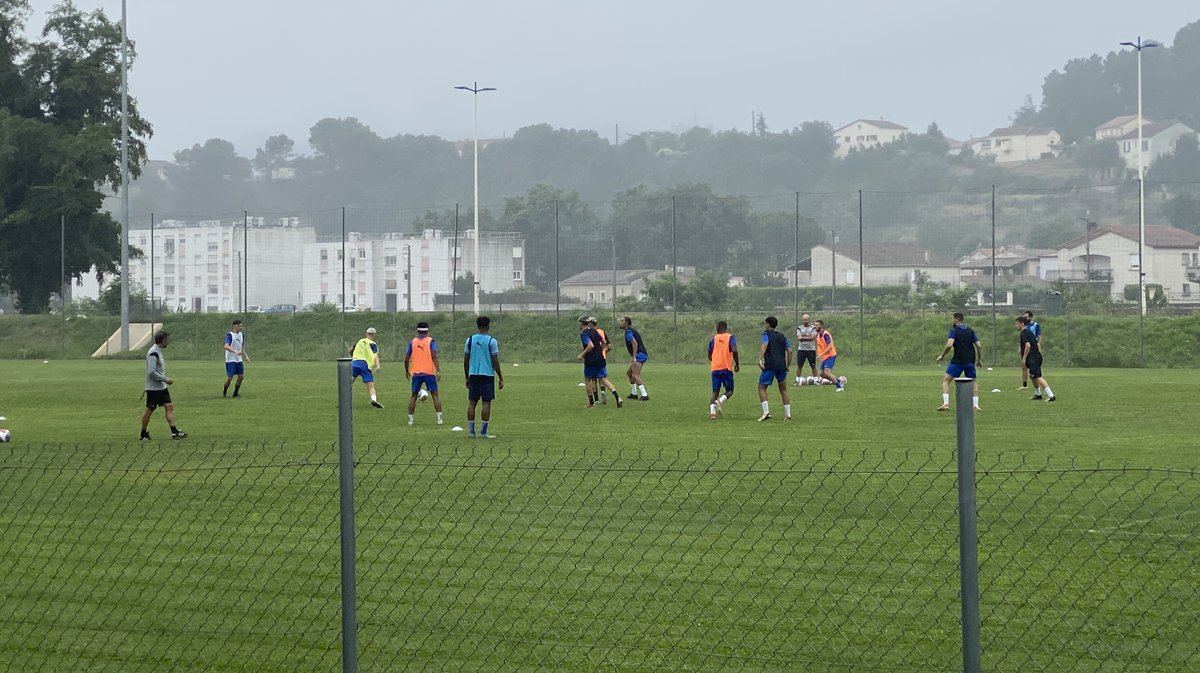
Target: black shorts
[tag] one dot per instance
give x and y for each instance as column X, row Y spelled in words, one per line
column 481, row 388
column 1035, row 368
column 157, row 398
column 803, row 356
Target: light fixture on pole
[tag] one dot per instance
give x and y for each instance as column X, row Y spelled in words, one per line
column 1089, row 226
column 1139, row 46
column 475, row 89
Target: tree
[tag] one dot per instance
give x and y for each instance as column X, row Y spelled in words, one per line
column 532, row 215
column 59, row 146
column 274, row 153
column 212, row 177
column 1182, row 165
column 760, row 125
column 1183, row 211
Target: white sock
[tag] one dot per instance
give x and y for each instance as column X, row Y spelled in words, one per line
column 633, row 389
column 797, row 378
column 1049, row 393
column 712, row 408
column 975, row 401
column 787, row 410
column 642, row 388
column 410, row 419
column 721, row 399
column 439, row 415
column 766, row 407
column 373, row 398
column 945, row 398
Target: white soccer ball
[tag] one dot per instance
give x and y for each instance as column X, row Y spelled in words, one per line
column 804, row 381
column 5, row 435
column 423, row 395
column 817, row 380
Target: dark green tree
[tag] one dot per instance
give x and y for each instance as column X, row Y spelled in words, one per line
column 60, row 98
column 579, row 237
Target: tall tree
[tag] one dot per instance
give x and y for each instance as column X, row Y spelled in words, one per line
column 275, row 152
column 59, row 146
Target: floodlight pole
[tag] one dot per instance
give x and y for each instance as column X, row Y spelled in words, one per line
column 124, row 180
column 476, row 90
column 1139, row 46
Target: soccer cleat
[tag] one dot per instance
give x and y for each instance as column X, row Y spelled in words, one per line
column 787, row 418
column 839, row 389
column 721, row 408
column 237, row 394
column 631, row 397
column 145, row 437
column 440, row 421
column 375, row 404
column 645, row 398
column 619, row 402
column 1051, row 398
column 764, row 417
column 1023, row 387
column 487, row 436
column 179, row 434
column 224, row 393
column 944, row 407
column 410, row 424
column 1036, row 398
column 976, row 409
column 712, row 417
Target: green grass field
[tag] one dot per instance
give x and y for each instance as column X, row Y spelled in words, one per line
column 647, row 538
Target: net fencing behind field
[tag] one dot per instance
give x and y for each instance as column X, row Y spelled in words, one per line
column 478, row 557
column 684, row 256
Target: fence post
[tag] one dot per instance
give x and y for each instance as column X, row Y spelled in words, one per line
column 346, row 512
column 968, row 536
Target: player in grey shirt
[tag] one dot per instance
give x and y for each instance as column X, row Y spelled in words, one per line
column 806, row 347
column 157, row 381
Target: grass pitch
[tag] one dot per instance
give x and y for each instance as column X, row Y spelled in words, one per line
column 646, row 538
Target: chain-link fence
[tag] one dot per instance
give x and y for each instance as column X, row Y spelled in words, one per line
column 225, row 557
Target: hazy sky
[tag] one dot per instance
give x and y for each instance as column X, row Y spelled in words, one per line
column 246, row 69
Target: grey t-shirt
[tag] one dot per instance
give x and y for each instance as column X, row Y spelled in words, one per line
column 156, row 377
column 806, row 331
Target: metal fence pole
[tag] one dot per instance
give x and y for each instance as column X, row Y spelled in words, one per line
column 454, row 279
column 674, row 285
column 346, row 512
column 968, row 536
column 993, row 275
column 558, row 288
column 796, row 267
column 862, row 321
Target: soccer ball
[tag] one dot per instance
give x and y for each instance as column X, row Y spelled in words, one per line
column 804, row 380
column 817, row 380
column 5, row 435
column 423, row 395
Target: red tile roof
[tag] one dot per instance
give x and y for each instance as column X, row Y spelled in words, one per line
column 1157, row 236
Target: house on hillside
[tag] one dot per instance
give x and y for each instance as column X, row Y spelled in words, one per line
column 1118, row 126
column 1107, row 258
column 882, row 264
column 1015, row 144
column 1157, row 139
column 862, row 134
column 1014, row 263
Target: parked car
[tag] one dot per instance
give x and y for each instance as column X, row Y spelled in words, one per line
column 278, row 309
column 254, row 309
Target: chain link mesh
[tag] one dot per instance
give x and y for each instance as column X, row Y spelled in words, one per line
column 225, row 557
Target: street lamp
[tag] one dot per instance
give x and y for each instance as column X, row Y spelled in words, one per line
column 475, row 89
column 1139, row 46
column 833, row 270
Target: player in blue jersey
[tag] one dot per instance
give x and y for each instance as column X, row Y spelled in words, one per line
column 968, row 353
column 481, row 366
column 1036, row 330
column 595, row 369
column 774, row 359
column 637, row 358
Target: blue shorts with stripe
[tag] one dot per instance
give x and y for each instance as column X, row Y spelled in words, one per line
column 722, row 377
column 359, row 368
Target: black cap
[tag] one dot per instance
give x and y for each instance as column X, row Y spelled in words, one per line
column 422, row 326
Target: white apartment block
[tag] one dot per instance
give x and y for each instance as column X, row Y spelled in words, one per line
column 400, row 272
column 1157, row 139
column 212, row 266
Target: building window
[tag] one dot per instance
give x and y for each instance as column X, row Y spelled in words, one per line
column 389, row 284
column 1186, row 258
column 516, row 275
column 1134, row 261
column 985, row 144
column 389, row 260
column 591, row 296
column 324, row 254
column 1127, row 146
column 169, row 289
column 872, row 139
column 169, row 246
column 212, row 267
column 212, row 288
column 1145, row 145
column 213, row 246
column 1187, row 289
column 339, row 255
column 425, row 299
column 849, row 277
column 362, row 253
column 352, row 261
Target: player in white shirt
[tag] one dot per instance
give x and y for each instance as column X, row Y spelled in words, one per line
column 235, row 354
column 806, row 348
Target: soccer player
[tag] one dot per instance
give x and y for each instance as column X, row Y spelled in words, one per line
column 1037, row 333
column 157, row 381
column 235, row 353
column 604, row 351
column 1031, row 358
column 827, row 355
column 722, row 362
column 595, row 371
column 806, row 348
column 422, row 367
column 968, row 353
column 365, row 363
column 637, row 358
column 775, row 360
column 481, row 365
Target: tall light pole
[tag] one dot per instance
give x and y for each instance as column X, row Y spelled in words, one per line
column 1090, row 226
column 125, row 181
column 833, row 269
column 475, row 89
column 1139, row 46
